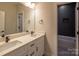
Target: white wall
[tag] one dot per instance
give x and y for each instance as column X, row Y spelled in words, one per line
column 48, row 13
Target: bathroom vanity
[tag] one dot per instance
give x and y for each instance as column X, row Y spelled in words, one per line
column 26, row 45
column 20, row 21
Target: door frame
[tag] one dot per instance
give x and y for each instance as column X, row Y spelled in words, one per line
column 76, row 27
column 22, row 21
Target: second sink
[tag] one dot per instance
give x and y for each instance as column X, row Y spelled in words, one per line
column 9, row 45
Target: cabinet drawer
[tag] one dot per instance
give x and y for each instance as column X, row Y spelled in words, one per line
column 31, row 45
column 31, row 48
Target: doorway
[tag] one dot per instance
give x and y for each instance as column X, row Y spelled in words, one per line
column 66, row 29
column 20, row 21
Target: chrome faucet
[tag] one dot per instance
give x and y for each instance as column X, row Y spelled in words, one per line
column 3, row 35
column 32, row 32
column 7, row 39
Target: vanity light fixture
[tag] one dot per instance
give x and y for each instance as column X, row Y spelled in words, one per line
column 29, row 4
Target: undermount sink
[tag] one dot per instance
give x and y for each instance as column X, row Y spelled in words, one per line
column 9, row 45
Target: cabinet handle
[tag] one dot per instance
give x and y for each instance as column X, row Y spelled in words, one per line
column 36, row 48
column 32, row 45
column 32, row 54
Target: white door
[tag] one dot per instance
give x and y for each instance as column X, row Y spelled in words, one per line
column 20, row 21
column 2, row 22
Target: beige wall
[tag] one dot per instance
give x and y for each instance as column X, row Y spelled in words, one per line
column 48, row 13
column 2, row 21
column 10, row 17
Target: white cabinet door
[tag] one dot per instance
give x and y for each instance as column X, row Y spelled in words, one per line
column 40, row 46
column 31, row 48
column 36, row 47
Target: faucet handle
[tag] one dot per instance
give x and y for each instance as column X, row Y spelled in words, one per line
column 27, row 31
column 2, row 31
column 3, row 35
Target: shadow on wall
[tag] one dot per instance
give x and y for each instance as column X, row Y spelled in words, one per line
column 47, row 50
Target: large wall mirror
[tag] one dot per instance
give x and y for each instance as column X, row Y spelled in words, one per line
column 15, row 18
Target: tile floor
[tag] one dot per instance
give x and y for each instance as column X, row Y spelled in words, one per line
column 66, row 46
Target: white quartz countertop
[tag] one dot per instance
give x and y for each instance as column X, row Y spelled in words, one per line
column 24, row 39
